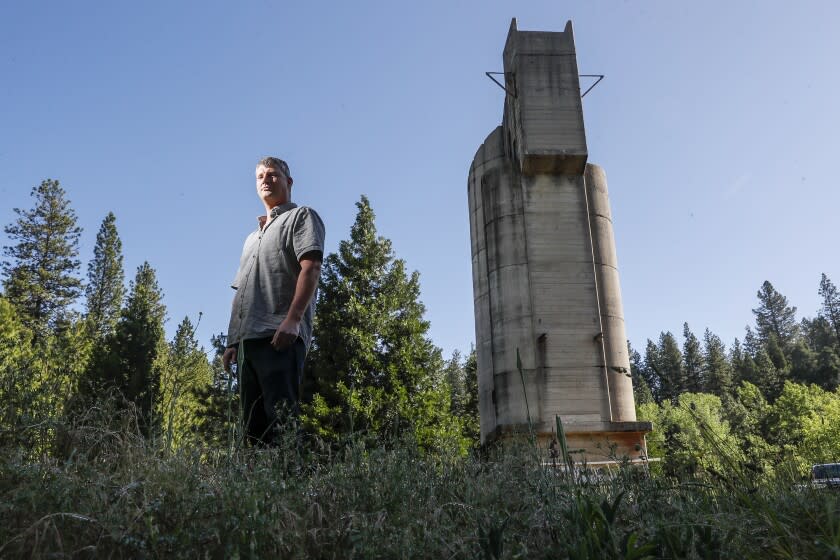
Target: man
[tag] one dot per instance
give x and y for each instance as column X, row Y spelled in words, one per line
column 271, row 318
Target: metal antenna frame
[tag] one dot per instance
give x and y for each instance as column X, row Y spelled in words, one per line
column 513, row 94
column 498, row 83
column 599, row 76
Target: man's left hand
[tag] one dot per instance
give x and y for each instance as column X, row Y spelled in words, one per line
column 286, row 334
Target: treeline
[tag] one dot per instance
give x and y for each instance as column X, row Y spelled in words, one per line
column 770, row 400
column 81, row 353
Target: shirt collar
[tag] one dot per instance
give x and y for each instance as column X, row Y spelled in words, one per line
column 281, row 208
column 276, row 211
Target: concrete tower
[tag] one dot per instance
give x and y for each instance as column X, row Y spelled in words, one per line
column 545, row 273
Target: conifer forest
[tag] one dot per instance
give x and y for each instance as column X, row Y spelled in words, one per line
column 116, row 442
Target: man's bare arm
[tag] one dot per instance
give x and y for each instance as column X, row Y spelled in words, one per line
column 307, row 283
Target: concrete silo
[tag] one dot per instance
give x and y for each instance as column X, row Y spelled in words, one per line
column 545, row 275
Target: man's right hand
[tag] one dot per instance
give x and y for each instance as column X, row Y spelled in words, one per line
column 229, row 357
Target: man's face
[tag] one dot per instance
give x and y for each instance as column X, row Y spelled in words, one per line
column 272, row 186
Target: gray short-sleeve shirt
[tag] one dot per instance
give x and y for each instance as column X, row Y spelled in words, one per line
column 268, row 272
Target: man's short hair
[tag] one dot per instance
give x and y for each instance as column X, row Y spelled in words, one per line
column 276, row 163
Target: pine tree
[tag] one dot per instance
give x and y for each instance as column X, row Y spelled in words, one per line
column 777, row 354
column 373, row 368
column 752, row 344
column 453, row 372
column 774, row 318
column 719, row 374
column 830, row 305
column 815, row 358
column 822, row 341
column 804, row 367
column 753, row 364
column 649, row 372
column 818, row 333
column 104, row 290
column 693, row 370
column 666, row 361
column 184, row 372
column 737, row 357
column 39, row 277
column 766, row 376
column 137, row 342
column 641, row 390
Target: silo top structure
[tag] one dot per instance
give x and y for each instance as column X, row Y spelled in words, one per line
column 545, row 273
column 543, row 109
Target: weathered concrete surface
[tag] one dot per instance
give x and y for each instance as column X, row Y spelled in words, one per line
column 545, row 114
column 545, row 272
column 609, row 291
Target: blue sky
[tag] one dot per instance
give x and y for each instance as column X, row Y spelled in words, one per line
column 716, row 123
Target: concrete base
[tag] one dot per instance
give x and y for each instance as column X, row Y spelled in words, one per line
column 596, row 444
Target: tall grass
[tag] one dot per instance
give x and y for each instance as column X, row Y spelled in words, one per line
column 115, row 495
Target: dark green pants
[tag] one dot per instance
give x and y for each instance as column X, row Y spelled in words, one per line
column 270, row 387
